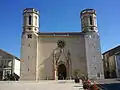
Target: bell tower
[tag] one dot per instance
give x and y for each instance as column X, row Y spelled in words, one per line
column 88, row 20
column 92, row 44
column 31, row 20
column 29, row 44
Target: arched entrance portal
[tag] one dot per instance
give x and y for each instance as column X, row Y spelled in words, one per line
column 62, row 74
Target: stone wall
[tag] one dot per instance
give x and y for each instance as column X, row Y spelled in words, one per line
column 47, row 44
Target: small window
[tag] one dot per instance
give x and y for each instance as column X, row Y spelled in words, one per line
column 98, row 74
column 91, row 20
column 30, row 17
column 95, row 67
column 91, row 28
column 8, row 72
column 9, row 63
column 29, row 28
column 29, row 35
column 35, row 29
column 28, row 45
column 28, row 57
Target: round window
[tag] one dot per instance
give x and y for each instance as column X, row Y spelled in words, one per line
column 61, row 44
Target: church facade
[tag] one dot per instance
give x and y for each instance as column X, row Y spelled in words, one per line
column 60, row 55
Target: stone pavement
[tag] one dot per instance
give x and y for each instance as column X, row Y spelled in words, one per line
column 41, row 85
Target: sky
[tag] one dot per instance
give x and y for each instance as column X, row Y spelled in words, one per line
column 58, row 16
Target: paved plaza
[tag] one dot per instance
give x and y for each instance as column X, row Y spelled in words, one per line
column 41, row 85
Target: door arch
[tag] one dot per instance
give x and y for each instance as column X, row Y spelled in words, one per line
column 62, row 72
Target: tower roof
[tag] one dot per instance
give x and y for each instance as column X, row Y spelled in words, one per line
column 90, row 11
column 30, row 10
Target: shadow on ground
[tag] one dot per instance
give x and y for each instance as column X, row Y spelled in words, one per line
column 112, row 86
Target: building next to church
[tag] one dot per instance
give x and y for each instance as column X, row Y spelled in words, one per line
column 60, row 55
column 9, row 66
column 111, row 61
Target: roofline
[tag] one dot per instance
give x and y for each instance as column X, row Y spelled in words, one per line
column 10, row 54
column 61, row 33
column 88, row 10
column 111, row 49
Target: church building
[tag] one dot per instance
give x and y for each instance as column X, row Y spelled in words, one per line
column 60, row 55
